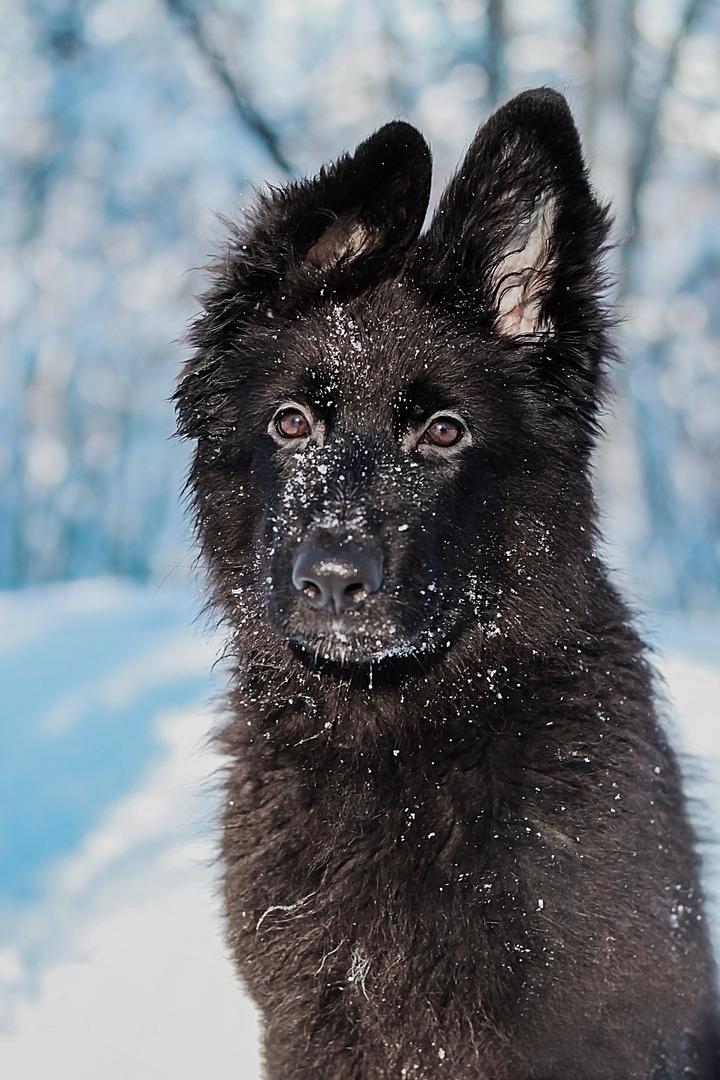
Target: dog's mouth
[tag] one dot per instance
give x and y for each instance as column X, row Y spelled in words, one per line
column 341, row 643
column 372, row 661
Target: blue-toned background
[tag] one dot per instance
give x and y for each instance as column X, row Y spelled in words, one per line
column 126, row 126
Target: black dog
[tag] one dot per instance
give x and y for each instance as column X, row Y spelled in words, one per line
column 455, row 843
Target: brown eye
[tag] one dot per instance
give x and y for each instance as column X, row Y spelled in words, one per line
column 292, row 424
column 443, row 432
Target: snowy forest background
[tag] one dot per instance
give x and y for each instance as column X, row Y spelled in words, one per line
column 127, row 125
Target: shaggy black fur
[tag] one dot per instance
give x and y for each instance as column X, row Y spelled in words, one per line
column 455, row 844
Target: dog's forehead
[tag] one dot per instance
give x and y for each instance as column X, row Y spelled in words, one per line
column 375, row 347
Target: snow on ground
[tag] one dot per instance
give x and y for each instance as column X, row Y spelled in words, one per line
column 691, row 668
column 136, row 983
column 111, row 956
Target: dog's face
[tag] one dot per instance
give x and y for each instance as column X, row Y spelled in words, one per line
column 374, row 457
column 393, row 430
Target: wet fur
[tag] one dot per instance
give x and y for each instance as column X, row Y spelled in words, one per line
column 455, row 843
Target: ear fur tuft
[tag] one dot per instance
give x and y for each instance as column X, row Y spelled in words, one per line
column 343, row 241
column 522, row 276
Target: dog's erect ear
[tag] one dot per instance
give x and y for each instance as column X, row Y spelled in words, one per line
column 518, row 230
column 358, row 215
column 350, row 226
column 369, row 203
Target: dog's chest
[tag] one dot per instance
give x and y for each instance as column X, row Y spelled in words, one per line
column 387, row 846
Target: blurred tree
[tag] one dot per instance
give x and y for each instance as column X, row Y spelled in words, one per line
column 126, row 122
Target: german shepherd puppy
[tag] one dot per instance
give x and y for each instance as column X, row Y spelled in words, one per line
column 455, row 843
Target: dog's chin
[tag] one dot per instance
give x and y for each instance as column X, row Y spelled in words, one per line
column 337, row 648
column 352, row 653
column 362, row 639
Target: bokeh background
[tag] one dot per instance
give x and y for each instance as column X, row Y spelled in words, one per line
column 126, row 128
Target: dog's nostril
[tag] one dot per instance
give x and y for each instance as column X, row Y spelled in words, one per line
column 355, row 593
column 336, row 579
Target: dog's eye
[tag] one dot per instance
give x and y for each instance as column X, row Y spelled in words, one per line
column 444, row 431
column 291, row 423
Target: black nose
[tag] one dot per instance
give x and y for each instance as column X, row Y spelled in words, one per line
column 336, row 579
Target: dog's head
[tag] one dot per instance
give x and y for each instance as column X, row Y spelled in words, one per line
column 393, row 429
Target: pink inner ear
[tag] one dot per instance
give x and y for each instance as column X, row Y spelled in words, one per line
column 342, row 241
column 522, row 277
